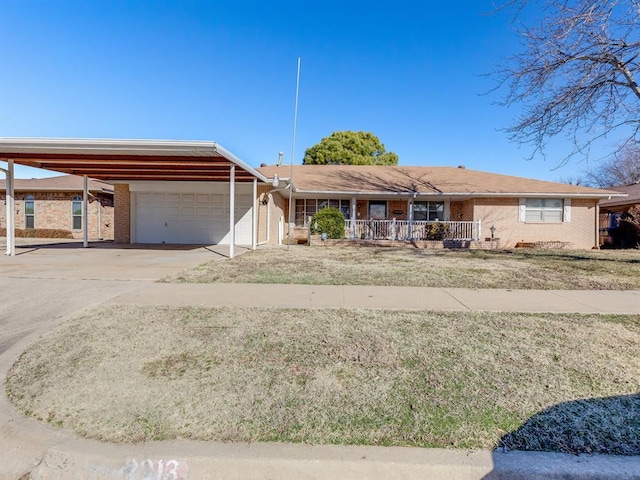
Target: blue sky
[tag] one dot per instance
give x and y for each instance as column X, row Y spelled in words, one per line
column 411, row 72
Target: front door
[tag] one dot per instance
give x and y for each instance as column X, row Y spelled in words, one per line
column 377, row 210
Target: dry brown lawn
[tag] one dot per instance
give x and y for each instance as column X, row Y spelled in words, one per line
column 520, row 269
column 131, row 374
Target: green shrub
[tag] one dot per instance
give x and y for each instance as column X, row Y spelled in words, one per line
column 330, row 221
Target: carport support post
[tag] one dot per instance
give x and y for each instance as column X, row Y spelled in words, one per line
column 254, row 216
column 232, row 209
column 85, row 211
column 11, row 210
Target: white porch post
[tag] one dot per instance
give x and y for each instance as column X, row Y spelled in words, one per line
column 410, row 219
column 353, row 217
column 11, row 210
column 479, row 230
column 85, row 211
column 254, row 216
column 232, row 209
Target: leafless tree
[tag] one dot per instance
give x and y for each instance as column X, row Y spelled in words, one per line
column 623, row 168
column 576, row 73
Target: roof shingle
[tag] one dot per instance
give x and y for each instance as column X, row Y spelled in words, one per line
column 423, row 180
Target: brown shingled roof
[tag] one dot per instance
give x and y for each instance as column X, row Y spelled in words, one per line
column 62, row 183
column 632, row 190
column 424, row 180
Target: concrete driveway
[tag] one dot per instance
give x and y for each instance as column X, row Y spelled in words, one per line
column 42, row 285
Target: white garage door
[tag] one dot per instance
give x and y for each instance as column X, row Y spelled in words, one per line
column 190, row 218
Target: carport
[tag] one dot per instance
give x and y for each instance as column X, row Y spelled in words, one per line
column 166, row 191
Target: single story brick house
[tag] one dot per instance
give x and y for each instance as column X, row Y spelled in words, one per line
column 446, row 203
column 194, row 192
column 56, row 203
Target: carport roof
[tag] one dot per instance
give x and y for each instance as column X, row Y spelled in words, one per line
column 117, row 160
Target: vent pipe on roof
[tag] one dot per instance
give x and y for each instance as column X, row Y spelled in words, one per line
column 280, row 155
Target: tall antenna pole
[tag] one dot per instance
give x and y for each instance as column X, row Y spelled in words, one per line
column 293, row 154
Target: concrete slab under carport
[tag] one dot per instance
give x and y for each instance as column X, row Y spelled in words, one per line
column 106, row 260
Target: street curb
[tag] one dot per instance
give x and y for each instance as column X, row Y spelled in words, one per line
column 181, row 460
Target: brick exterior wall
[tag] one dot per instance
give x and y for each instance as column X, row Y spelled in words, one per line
column 395, row 206
column 122, row 220
column 52, row 210
column 462, row 211
column 502, row 213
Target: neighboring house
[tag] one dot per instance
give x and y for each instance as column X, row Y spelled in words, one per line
column 56, row 203
column 446, row 203
column 612, row 209
column 192, row 192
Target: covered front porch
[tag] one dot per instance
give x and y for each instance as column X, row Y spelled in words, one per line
column 411, row 219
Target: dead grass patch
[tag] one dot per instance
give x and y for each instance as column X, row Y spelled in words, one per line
column 346, row 265
column 465, row 380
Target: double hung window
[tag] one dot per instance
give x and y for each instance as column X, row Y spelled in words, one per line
column 29, row 212
column 76, row 212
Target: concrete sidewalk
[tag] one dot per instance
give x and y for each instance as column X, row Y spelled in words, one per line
column 391, row 298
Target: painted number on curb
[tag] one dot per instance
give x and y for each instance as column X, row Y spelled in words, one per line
column 156, row 470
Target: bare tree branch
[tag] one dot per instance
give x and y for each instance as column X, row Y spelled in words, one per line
column 577, row 74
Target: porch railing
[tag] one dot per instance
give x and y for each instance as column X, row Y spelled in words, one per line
column 417, row 230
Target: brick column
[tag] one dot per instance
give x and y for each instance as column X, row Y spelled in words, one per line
column 122, row 213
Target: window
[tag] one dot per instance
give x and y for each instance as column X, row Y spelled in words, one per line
column 76, row 212
column 306, row 208
column 377, row 210
column 544, row 210
column 29, row 212
column 428, row 211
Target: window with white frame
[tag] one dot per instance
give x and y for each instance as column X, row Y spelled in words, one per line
column 545, row 210
column 307, row 207
column 428, row 211
column 29, row 212
column 76, row 212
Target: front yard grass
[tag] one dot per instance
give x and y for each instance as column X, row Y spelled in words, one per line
column 462, row 380
column 352, row 265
